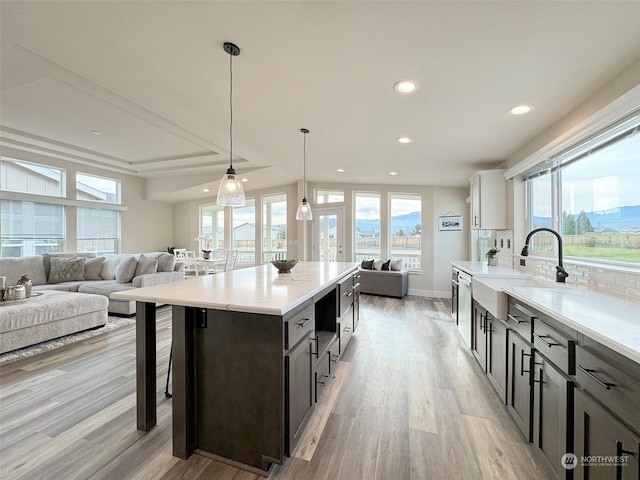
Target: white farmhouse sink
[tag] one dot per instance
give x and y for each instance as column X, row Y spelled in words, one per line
column 487, row 291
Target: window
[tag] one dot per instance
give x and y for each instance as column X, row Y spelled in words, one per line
column 274, row 227
column 30, row 228
column 329, row 196
column 212, row 224
column 97, row 189
column 24, row 177
column 598, row 207
column 367, row 226
column 98, row 230
column 405, row 229
column 244, row 232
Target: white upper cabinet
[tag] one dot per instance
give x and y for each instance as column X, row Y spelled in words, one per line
column 488, row 200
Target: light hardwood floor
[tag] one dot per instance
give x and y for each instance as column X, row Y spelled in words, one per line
column 408, row 401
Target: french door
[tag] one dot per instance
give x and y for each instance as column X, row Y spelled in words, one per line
column 328, row 234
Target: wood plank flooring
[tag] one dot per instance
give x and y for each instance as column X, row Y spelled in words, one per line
column 408, row 402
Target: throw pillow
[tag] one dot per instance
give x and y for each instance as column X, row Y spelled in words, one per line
column 377, row 264
column 367, row 264
column 145, row 266
column 66, row 269
column 396, row 265
column 92, row 268
column 385, row 265
column 166, row 262
column 46, row 258
column 126, row 270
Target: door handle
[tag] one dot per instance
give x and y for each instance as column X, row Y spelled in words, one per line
column 590, row 373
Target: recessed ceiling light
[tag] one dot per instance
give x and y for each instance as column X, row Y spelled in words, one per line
column 340, row 170
column 404, row 140
column 405, row 86
column 206, row 190
column 393, row 173
column 96, row 132
column 520, row 109
column 245, row 180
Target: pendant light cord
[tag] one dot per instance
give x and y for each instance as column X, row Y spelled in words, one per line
column 304, row 166
column 231, row 111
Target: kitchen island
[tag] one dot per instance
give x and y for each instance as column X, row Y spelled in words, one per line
column 252, row 349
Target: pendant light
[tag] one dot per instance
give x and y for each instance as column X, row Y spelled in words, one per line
column 231, row 191
column 304, row 209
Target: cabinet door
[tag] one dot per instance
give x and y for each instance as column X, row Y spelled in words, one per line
column 552, row 414
column 497, row 355
column 299, row 390
column 475, row 203
column 479, row 338
column 598, row 433
column 356, row 305
column 518, row 382
column 345, row 329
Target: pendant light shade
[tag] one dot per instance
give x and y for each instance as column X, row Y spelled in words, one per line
column 231, row 191
column 304, row 209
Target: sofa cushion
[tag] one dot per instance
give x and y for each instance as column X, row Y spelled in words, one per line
column 104, row 287
column 111, row 264
column 385, row 266
column 367, row 264
column 145, row 266
column 396, row 265
column 126, row 270
column 166, row 261
column 93, row 268
column 46, row 258
column 14, row 267
column 377, row 264
column 66, row 269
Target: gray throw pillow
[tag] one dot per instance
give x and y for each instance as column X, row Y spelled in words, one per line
column 66, row 269
column 92, row 268
column 145, row 266
column 166, row 262
column 126, row 270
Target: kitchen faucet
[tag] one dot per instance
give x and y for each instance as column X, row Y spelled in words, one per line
column 561, row 273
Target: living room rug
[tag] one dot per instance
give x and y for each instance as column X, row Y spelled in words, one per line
column 112, row 324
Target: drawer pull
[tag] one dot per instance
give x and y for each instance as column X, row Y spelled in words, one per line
column 317, row 340
column 541, row 338
column 322, row 380
column 522, row 355
column 590, row 373
column 304, row 322
column 348, row 294
column 346, row 329
column 335, row 358
column 515, row 319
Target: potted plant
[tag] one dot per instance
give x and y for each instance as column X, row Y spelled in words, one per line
column 491, row 256
column 204, row 241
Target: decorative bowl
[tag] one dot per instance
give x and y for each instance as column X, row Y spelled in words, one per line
column 284, row 265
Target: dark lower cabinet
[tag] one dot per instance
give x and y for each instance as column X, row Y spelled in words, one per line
column 299, row 388
column 519, row 399
column 552, row 415
column 497, row 355
column 611, row 450
column 478, row 334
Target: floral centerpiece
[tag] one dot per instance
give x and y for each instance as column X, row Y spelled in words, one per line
column 491, row 256
column 204, row 242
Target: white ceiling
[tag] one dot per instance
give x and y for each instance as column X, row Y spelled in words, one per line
column 154, row 79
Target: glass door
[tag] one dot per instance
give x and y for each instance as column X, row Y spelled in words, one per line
column 328, row 235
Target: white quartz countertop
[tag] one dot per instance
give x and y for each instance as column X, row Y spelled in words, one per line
column 258, row 289
column 613, row 323
column 481, row 268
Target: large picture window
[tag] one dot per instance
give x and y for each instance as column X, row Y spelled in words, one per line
column 405, row 229
column 367, row 225
column 30, row 228
column 212, row 225
column 244, row 232
column 98, row 230
column 25, row 177
column 274, row 227
column 590, row 195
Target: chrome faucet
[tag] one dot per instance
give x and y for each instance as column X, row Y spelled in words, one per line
column 561, row 273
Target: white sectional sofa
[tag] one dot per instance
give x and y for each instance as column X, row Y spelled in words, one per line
column 77, row 288
column 97, row 275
